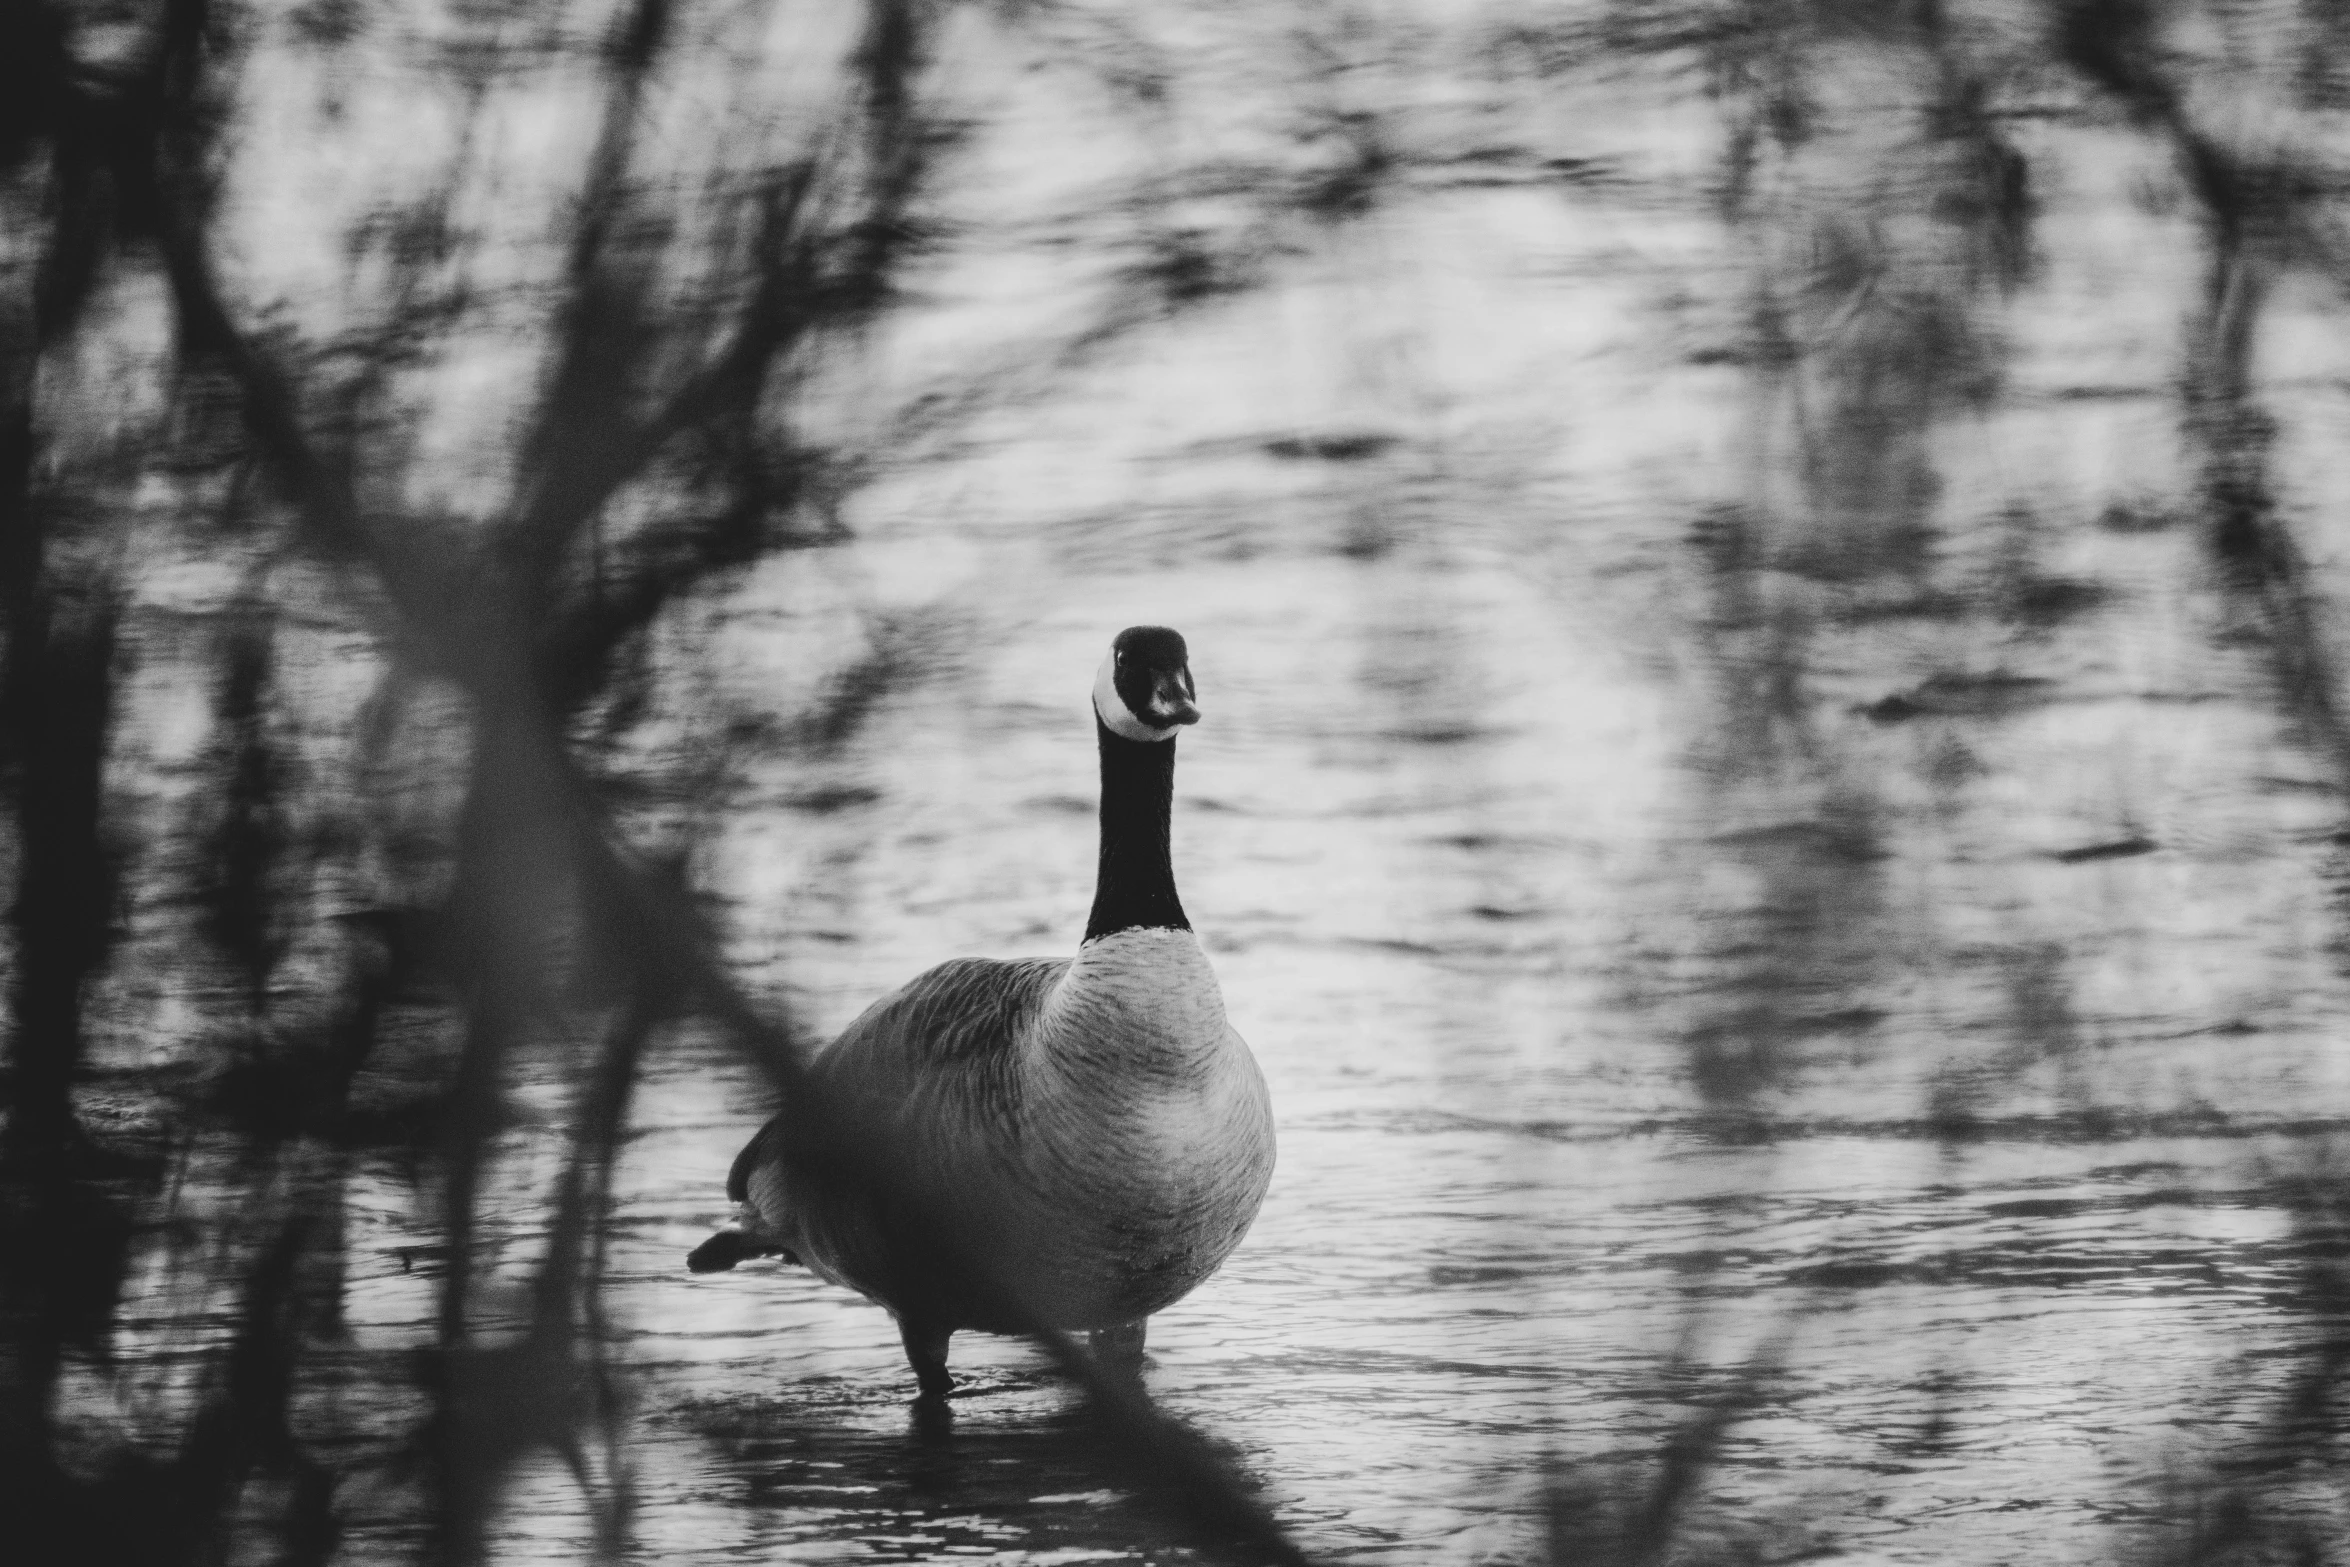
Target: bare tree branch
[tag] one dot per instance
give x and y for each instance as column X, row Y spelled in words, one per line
column 475, row 643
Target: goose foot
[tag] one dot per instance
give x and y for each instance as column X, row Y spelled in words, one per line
column 926, row 1352
column 933, row 1424
column 1120, row 1347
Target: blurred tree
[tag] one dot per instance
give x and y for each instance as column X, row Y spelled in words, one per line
column 203, row 375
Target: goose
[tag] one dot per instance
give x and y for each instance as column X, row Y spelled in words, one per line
column 1070, row 1142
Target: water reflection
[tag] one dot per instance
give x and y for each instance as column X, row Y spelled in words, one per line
column 1772, row 809
column 1021, row 1475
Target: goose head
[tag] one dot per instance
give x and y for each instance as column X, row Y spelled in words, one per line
column 1144, row 690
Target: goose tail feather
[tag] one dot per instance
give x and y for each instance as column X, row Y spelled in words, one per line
column 728, row 1247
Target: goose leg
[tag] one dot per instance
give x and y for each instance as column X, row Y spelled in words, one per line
column 926, row 1352
column 1120, row 1346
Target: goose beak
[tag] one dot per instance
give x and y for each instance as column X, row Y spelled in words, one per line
column 1171, row 699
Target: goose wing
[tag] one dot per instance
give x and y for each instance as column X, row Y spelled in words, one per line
column 935, row 1059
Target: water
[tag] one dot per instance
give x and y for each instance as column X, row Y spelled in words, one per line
column 1991, row 1216
column 1938, row 1074
column 1997, row 1224
column 1502, row 1233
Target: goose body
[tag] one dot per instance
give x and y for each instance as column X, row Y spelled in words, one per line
column 1074, row 1141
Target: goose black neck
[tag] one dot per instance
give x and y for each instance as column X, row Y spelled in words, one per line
column 1135, row 887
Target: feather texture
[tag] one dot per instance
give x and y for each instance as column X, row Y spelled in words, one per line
column 1092, row 1131
column 1076, row 1142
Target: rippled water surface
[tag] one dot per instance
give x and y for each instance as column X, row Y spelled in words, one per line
column 1505, row 1231
column 1924, row 1086
column 1608, row 1078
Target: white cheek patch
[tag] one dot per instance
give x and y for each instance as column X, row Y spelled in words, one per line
column 1113, row 711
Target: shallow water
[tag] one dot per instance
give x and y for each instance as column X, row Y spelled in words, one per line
column 1934, row 1085
column 1502, row 1234
column 1985, row 1199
